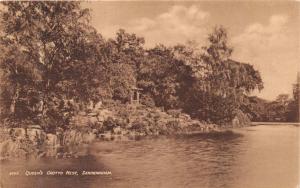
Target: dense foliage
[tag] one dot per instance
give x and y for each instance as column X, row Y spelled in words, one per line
column 53, row 62
column 282, row 109
column 45, row 48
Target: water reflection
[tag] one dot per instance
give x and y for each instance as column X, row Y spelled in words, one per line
column 195, row 160
column 253, row 156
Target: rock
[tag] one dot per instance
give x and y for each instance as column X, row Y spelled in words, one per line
column 59, row 155
column 35, row 132
column 51, row 140
column 19, row 153
column 73, row 137
column 42, row 154
column 117, row 130
column 124, row 132
column 67, row 155
column 93, row 120
column 106, row 135
column 18, row 132
column 93, row 114
column 101, row 118
column 185, row 117
column 106, row 113
column 10, row 148
column 90, row 106
column 98, row 105
column 89, row 137
column 34, row 127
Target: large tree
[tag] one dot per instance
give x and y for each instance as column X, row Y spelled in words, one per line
column 164, row 76
column 122, row 56
column 219, row 93
column 47, row 47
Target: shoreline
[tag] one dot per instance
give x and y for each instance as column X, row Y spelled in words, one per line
column 105, row 123
column 274, row 123
column 75, row 142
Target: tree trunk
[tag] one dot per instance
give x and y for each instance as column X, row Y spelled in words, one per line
column 14, row 101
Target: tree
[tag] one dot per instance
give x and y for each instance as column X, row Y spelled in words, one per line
column 50, row 56
column 52, row 59
column 293, row 113
column 220, row 92
column 163, row 76
column 282, row 99
column 256, row 108
column 122, row 57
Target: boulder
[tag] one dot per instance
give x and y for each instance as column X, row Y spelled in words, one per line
column 92, row 114
column 106, row 136
column 93, row 120
column 35, row 132
column 19, row 133
column 98, row 105
column 51, row 140
column 185, row 117
column 117, row 130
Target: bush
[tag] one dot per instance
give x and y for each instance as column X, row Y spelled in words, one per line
column 109, row 124
column 140, row 126
column 174, row 112
column 147, row 101
column 240, row 119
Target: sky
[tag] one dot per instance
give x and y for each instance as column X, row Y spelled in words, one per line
column 262, row 33
column 265, row 34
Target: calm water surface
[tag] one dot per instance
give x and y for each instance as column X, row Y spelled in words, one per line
column 265, row 156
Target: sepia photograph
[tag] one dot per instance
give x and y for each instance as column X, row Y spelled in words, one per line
column 150, row 94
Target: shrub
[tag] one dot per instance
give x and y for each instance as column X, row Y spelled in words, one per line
column 174, row 112
column 147, row 101
column 140, row 126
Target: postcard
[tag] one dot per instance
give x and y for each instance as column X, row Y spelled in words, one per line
column 149, row 94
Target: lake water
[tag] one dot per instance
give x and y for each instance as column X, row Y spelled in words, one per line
column 265, row 156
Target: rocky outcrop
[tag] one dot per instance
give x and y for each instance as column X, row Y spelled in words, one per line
column 120, row 122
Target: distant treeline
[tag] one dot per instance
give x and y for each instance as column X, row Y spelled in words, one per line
column 283, row 109
column 51, row 57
